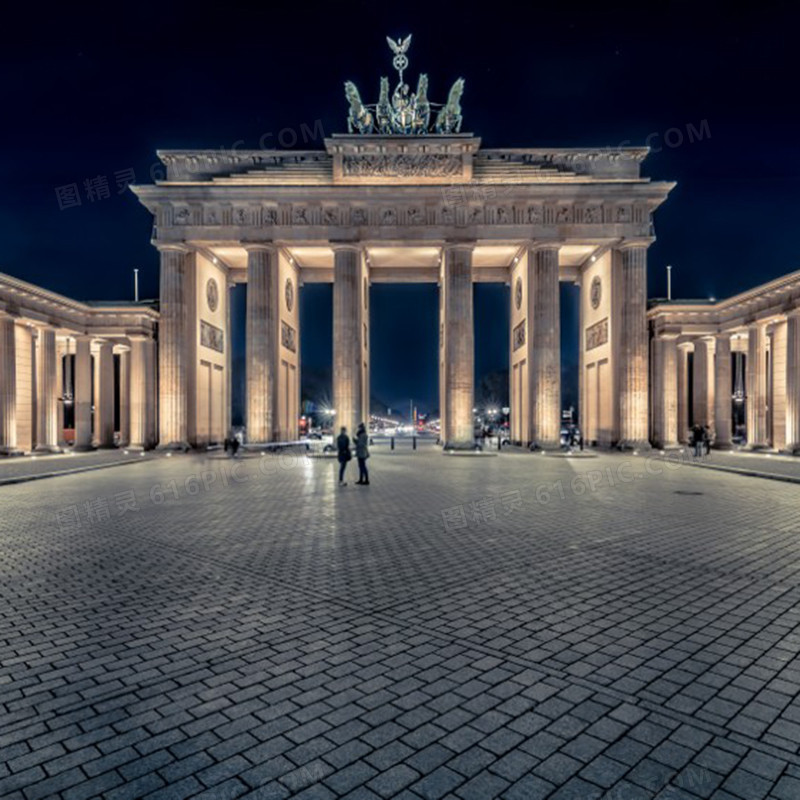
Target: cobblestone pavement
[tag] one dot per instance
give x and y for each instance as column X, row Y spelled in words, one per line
column 764, row 463
column 517, row 627
column 39, row 465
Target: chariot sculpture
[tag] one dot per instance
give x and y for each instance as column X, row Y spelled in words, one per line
column 404, row 113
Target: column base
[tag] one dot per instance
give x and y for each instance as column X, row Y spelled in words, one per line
column 461, row 446
column 667, row 446
column 175, row 446
column 83, row 448
column 47, row 448
column 755, row 448
column 11, row 451
column 629, row 445
column 722, row 446
column 547, row 447
column 791, row 450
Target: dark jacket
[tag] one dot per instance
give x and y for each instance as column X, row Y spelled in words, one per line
column 362, row 445
column 343, row 446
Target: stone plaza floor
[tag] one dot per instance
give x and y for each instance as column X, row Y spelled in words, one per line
column 514, row 626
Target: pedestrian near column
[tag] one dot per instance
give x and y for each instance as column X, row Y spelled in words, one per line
column 343, row 454
column 361, row 442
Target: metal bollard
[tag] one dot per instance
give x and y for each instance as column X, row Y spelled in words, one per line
column 413, row 442
column 392, row 442
column 499, row 442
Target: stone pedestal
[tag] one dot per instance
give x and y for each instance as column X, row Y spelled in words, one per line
column 83, row 393
column 545, row 370
column 172, row 348
column 262, row 342
column 793, row 382
column 48, row 392
column 756, row 387
column 8, row 387
column 722, row 392
column 458, row 348
column 633, row 347
column 665, row 391
column 350, row 393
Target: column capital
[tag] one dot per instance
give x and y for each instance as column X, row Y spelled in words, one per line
column 260, row 247
column 631, row 244
column 794, row 313
column 349, row 246
column 173, row 247
column 544, row 244
column 458, row 244
column 722, row 335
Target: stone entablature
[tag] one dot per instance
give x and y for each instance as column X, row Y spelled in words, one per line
column 41, row 307
column 763, row 303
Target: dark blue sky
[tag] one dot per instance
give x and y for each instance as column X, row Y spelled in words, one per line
column 94, row 92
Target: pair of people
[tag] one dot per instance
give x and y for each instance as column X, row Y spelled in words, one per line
column 701, row 439
column 361, row 442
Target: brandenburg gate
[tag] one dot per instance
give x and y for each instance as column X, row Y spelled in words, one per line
column 403, row 196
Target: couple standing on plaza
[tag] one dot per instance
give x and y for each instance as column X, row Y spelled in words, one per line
column 344, row 454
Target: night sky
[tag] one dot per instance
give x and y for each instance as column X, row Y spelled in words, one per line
column 92, row 93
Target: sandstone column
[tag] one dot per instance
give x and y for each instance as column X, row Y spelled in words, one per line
column 125, row 398
column 262, row 341
column 545, row 361
column 722, row 392
column 665, row 391
column 82, row 380
column 756, row 386
column 59, row 395
column 348, row 374
column 47, row 400
column 172, row 348
column 683, row 392
column 704, row 381
column 104, row 396
column 8, row 386
column 793, row 381
column 633, row 346
column 139, row 385
column 457, row 393
column 778, row 340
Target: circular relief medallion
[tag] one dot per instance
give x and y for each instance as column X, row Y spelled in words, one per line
column 518, row 293
column 288, row 293
column 596, row 292
column 212, row 294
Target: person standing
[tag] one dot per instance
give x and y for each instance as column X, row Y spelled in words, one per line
column 343, row 453
column 697, row 439
column 362, row 454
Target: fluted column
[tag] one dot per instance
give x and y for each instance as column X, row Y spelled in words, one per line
column 83, row 393
column 139, row 382
column 722, row 392
column 793, row 381
column 173, row 347
column 756, row 386
column 60, row 395
column 545, row 369
column 633, row 346
column 348, row 392
column 665, row 391
column 47, row 387
column 125, row 398
column 104, row 396
column 262, row 341
column 683, row 392
column 704, row 381
column 8, row 386
column 459, row 347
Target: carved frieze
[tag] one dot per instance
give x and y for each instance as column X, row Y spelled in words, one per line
column 402, row 165
column 519, row 335
column 212, row 337
column 597, row 334
column 288, row 337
